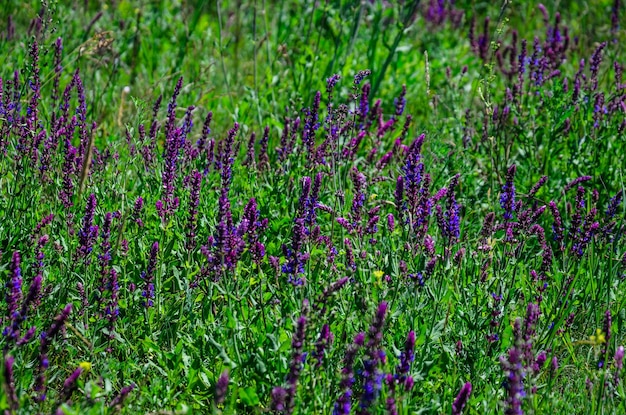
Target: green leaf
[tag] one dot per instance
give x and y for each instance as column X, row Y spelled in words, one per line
column 248, row 396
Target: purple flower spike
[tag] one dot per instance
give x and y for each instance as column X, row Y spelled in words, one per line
column 406, row 358
column 606, row 329
column 278, row 398
column 390, row 404
column 344, row 403
column 221, row 388
column 359, row 182
column 9, row 380
column 619, row 364
column 358, row 78
column 88, row 232
column 297, row 345
column 325, row 338
column 451, row 222
column 391, row 223
column 33, row 295
column 57, row 324
column 119, row 399
column 137, row 211
column 264, row 160
column 554, row 364
column 514, row 370
column 148, row 276
column 14, row 297
column 533, row 191
column 507, row 198
column 461, row 399
column 69, row 386
column 576, row 182
column 372, row 374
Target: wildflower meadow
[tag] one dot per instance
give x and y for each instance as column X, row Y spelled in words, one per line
column 312, row 207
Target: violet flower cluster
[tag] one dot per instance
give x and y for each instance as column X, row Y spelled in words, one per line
column 375, row 356
column 343, row 406
column 148, row 277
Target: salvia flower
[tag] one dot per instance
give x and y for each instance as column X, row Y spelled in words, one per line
column 451, row 224
column 557, row 227
column 487, row 232
column 533, row 191
column 56, row 326
column 122, row 395
column 390, row 403
column 167, row 205
column 43, row 223
column 343, row 405
column 46, row 338
column 311, row 204
column 358, row 78
column 39, row 254
column 325, row 338
column 279, row 395
column 400, row 102
column 359, row 182
column 547, row 250
column 221, row 388
column 311, row 125
column 614, row 203
column 514, row 384
column 255, row 226
column 14, row 297
column 606, row 330
column 295, row 367
column 576, row 182
column 264, row 160
column 329, row 291
column 112, row 311
column 9, row 380
column 250, row 160
column 364, row 107
column 148, row 276
column 330, row 84
column 554, row 364
column 459, row 255
column 539, row 362
column 507, row 198
column 372, row 375
column 70, row 384
column 32, row 297
column 619, row 363
column 88, row 232
column 594, row 66
column 138, row 207
column 413, row 173
column 391, row 223
column 294, row 266
column 406, row 358
column 461, row 399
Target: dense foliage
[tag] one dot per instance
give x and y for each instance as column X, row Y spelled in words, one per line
column 312, row 207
